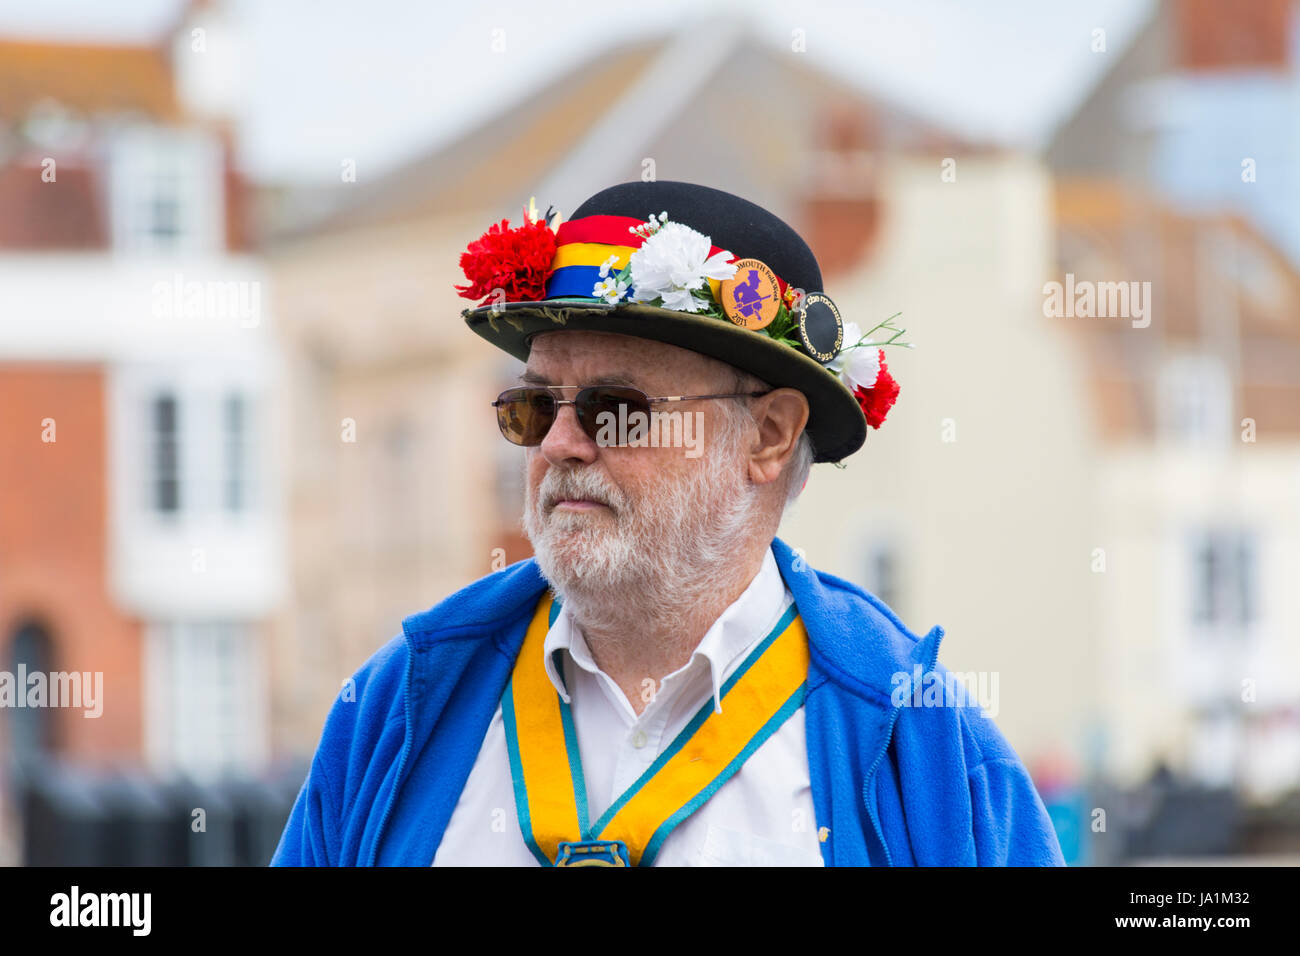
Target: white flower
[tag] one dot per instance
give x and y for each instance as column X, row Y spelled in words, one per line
column 607, row 265
column 862, row 367
column 851, row 335
column 648, row 228
column 611, row 290
column 672, row 264
column 858, row 365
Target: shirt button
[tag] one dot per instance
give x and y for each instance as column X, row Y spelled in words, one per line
column 638, row 739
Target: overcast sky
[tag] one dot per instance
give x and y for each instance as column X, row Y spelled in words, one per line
column 379, row 80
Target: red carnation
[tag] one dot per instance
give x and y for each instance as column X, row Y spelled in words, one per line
column 517, row 261
column 879, row 399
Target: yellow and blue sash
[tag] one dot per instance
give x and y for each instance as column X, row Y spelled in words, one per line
column 758, row 698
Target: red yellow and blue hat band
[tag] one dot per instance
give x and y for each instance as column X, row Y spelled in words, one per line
column 584, row 245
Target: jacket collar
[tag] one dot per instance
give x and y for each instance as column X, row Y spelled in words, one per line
column 852, row 635
column 484, row 605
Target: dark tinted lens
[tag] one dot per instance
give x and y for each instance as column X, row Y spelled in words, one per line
column 525, row 414
column 596, row 405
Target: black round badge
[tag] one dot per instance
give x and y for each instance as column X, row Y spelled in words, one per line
column 820, row 328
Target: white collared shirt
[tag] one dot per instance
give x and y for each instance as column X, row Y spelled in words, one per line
column 762, row 816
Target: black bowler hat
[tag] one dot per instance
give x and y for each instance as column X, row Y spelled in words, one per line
column 688, row 265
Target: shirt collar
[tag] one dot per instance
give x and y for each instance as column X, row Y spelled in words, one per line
column 744, row 623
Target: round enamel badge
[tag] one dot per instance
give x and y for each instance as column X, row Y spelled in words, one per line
column 751, row 298
column 820, row 328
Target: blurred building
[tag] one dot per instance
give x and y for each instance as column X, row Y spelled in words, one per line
column 391, row 453
column 1182, row 169
column 1196, row 503
column 1200, row 110
column 140, row 522
column 967, row 510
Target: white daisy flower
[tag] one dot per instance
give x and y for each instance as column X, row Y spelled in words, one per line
column 611, row 290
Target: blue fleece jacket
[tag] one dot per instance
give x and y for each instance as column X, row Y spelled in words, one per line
column 903, row 772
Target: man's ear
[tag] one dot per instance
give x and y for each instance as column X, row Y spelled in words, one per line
column 781, row 416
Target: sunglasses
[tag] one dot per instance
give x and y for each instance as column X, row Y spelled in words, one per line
column 527, row 413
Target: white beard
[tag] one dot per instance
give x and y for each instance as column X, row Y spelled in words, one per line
column 667, row 549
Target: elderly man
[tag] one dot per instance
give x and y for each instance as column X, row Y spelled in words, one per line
column 666, row 682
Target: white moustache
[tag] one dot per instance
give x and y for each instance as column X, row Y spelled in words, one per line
column 569, row 486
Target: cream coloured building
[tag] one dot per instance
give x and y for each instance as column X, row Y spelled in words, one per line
column 970, row 507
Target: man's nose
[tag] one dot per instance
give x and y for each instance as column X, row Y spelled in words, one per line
column 566, row 442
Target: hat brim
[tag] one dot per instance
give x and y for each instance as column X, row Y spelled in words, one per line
column 836, row 423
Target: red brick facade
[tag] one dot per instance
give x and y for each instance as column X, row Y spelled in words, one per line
column 54, row 551
column 1213, row 35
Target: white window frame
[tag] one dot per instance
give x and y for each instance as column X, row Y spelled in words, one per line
column 1194, row 401
column 143, row 159
column 205, row 711
column 204, row 449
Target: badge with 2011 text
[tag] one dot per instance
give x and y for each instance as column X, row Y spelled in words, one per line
column 752, row 297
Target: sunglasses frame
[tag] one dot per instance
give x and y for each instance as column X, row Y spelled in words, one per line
column 578, row 403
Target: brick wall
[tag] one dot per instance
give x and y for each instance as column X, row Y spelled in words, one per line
column 1214, row 35
column 53, row 550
